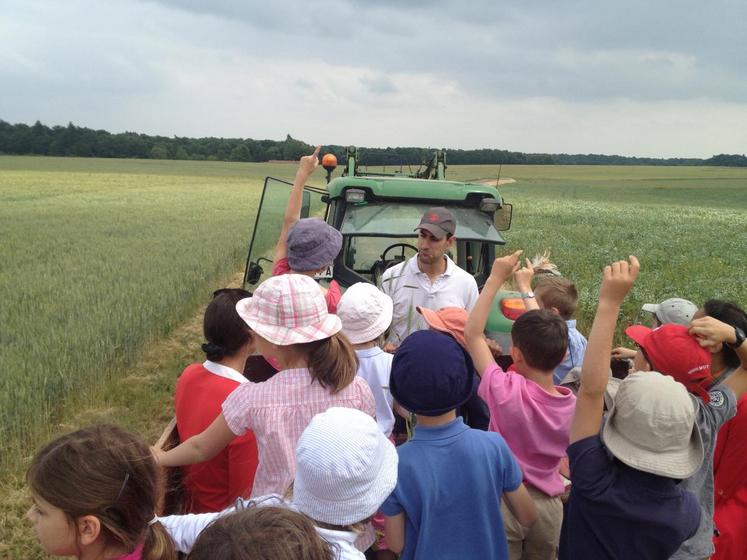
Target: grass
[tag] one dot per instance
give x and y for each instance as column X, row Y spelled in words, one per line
column 107, row 264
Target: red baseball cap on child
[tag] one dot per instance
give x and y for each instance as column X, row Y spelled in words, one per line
column 671, row 350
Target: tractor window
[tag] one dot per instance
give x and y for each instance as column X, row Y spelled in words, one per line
column 399, row 220
column 269, row 223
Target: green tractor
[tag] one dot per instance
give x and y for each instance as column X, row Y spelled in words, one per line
column 376, row 213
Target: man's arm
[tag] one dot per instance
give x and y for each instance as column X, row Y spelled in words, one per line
column 293, row 209
column 713, row 334
column 477, row 346
column 617, row 280
column 523, row 278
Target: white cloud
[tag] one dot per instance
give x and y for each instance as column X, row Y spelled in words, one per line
column 538, row 76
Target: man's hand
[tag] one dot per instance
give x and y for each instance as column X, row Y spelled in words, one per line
column 617, row 279
column 712, row 333
column 505, row 266
column 524, row 277
column 307, row 164
column 390, row 347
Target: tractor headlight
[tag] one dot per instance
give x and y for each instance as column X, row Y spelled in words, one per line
column 489, row 205
column 355, row 195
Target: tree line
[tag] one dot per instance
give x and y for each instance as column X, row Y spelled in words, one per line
column 77, row 141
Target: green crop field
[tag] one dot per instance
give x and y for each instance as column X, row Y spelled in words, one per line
column 103, row 259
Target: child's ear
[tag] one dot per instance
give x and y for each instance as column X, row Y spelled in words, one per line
column 516, row 354
column 89, row 529
column 555, row 310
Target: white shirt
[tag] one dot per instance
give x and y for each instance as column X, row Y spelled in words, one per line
column 375, row 365
column 224, row 371
column 184, row 529
column 409, row 288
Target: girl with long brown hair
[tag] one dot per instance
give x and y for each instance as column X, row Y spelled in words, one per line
column 94, row 497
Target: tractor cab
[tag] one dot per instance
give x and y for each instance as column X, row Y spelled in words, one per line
column 377, row 214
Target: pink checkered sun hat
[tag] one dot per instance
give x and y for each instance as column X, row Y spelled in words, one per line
column 289, row 309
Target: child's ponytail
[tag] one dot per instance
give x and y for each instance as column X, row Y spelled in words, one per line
column 332, row 362
column 158, row 544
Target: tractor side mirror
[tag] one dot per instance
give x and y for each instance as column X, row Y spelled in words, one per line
column 503, row 217
column 253, row 273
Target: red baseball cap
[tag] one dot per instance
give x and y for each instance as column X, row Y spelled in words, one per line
column 671, row 350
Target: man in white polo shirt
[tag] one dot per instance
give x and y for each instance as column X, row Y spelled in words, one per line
column 429, row 279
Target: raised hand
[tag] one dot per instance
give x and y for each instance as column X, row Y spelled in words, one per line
column 307, row 164
column 505, row 266
column 617, row 279
column 524, row 276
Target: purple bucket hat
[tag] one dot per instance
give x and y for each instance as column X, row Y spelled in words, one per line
column 312, row 244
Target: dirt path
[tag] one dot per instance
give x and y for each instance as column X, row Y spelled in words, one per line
column 496, row 182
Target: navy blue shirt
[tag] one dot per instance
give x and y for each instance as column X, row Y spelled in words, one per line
column 450, row 482
column 615, row 511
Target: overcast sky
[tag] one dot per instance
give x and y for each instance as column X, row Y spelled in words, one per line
column 632, row 77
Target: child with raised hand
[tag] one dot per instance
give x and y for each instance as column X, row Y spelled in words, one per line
column 527, row 409
column 268, row 533
column 200, row 392
column 307, row 246
column 625, row 500
column 346, row 468
column 290, row 323
column 451, row 477
column 560, row 296
column 366, row 313
column 94, row 496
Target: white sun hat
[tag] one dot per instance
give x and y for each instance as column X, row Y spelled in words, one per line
column 651, row 426
column 365, row 312
column 289, row 309
column 345, row 467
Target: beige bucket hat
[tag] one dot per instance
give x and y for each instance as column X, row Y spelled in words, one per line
column 651, row 426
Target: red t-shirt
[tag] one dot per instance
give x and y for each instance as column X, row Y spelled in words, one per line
column 333, row 294
column 215, row 484
column 729, row 467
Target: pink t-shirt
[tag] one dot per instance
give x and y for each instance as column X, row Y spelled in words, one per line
column 535, row 424
column 277, row 411
column 332, row 296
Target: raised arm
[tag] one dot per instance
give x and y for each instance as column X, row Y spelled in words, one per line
column 712, row 333
column 617, row 279
column 523, row 278
column 202, row 447
column 306, row 167
column 477, row 346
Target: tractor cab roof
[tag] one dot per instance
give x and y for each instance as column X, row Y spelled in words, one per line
column 401, row 187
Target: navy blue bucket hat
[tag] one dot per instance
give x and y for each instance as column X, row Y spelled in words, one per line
column 432, row 374
column 312, row 244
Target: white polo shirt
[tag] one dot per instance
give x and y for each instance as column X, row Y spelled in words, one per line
column 409, row 288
